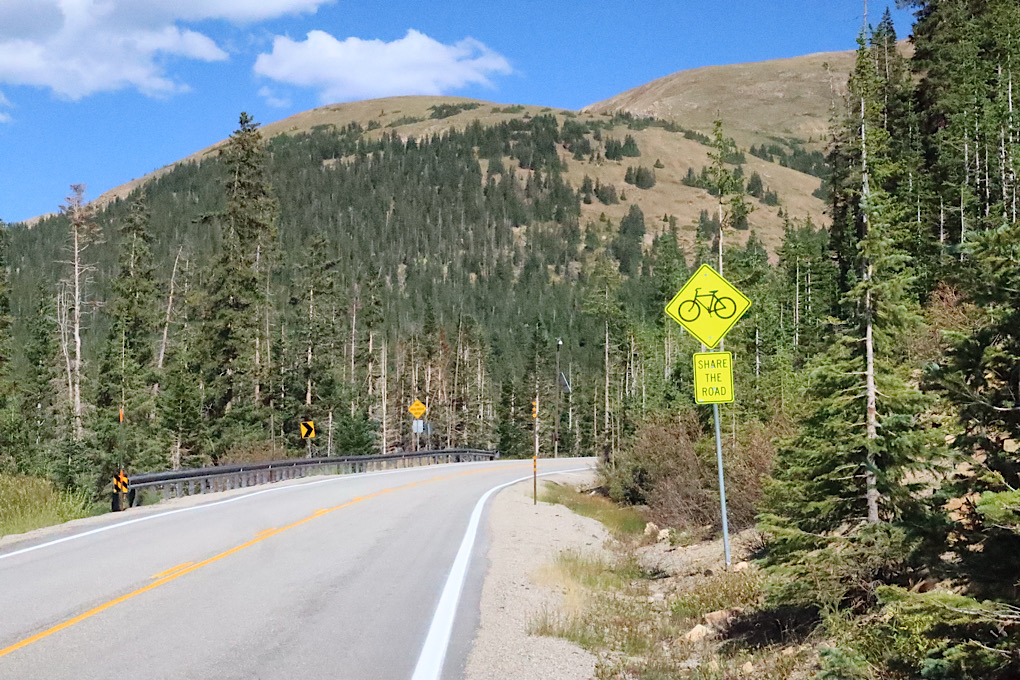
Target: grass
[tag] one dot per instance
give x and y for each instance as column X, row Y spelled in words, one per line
column 28, row 503
column 597, row 572
column 620, row 520
column 723, row 590
column 635, row 621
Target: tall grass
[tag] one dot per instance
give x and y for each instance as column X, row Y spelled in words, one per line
column 620, row 520
column 28, row 503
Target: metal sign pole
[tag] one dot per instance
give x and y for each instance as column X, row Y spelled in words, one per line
column 722, row 485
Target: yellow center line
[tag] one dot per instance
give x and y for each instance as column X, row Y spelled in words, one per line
column 172, row 570
column 180, row 570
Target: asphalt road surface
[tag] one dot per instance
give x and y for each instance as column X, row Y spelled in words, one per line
column 366, row 577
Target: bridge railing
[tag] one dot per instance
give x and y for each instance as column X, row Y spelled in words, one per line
column 190, row 481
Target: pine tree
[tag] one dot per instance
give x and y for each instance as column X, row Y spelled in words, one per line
column 862, row 436
column 125, row 397
column 234, row 339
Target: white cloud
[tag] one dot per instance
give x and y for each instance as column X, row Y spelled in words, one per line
column 355, row 69
column 273, row 99
column 79, row 47
column 4, row 104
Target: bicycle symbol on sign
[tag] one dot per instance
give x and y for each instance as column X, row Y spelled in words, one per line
column 722, row 307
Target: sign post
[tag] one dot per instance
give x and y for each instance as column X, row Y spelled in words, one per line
column 417, row 409
column 308, row 434
column 708, row 306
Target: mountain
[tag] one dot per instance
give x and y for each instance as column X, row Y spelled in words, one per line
column 780, row 100
column 677, row 150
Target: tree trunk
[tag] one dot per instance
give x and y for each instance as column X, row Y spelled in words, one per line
column 169, row 311
column 871, row 481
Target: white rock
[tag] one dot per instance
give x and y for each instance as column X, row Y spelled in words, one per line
column 651, row 529
column 698, row 633
column 748, row 667
column 740, row 566
column 663, row 535
column 721, row 618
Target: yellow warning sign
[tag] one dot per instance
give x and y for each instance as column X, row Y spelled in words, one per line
column 307, row 429
column 713, row 377
column 417, row 409
column 707, row 306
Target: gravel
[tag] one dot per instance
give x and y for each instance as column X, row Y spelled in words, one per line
column 524, row 538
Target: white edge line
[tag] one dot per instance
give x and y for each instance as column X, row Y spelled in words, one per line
column 433, row 652
column 203, row 506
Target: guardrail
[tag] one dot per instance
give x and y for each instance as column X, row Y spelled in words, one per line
column 186, row 482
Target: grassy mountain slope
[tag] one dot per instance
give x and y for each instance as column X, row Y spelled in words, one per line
column 760, row 102
column 411, row 116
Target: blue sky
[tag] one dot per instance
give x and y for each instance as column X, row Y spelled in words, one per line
column 103, row 91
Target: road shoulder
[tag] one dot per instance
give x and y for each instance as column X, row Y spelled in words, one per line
column 523, row 539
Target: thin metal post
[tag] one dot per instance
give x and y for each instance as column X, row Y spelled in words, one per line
column 722, row 485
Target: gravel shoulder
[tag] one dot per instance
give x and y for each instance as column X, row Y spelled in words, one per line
column 524, row 538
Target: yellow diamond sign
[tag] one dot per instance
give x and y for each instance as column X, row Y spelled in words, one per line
column 417, row 409
column 707, row 306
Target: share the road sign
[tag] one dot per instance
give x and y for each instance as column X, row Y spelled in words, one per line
column 417, row 409
column 707, row 306
column 713, row 377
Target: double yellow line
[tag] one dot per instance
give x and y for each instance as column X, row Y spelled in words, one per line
column 174, row 573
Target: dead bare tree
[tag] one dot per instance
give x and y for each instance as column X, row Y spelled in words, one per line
column 83, row 232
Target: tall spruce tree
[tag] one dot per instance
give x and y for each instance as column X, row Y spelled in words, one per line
column 846, row 472
column 237, row 312
column 125, row 397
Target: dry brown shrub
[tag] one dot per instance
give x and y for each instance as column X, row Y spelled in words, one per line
column 947, row 310
column 252, row 452
column 672, row 468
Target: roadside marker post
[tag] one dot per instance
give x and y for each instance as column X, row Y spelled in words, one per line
column 120, row 491
column 534, row 460
column 708, row 306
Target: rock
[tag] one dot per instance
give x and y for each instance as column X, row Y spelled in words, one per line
column 698, row 633
column 740, row 566
column 651, row 529
column 789, row 651
column 748, row 667
column 663, row 535
column 721, row 618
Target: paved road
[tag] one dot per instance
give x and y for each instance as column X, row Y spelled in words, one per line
column 334, row 577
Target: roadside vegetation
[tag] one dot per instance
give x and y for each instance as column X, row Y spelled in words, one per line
column 872, row 453
column 28, row 503
column 622, row 521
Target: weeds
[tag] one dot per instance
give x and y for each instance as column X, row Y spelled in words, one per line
column 598, row 573
column 621, row 521
column 724, row 590
column 28, row 503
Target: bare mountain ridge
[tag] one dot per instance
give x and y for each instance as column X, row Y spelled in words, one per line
column 758, row 102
